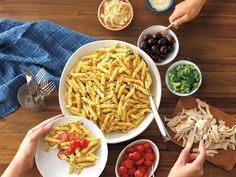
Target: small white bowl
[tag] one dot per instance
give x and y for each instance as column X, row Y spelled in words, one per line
column 154, row 147
column 180, row 62
column 101, row 8
column 154, row 29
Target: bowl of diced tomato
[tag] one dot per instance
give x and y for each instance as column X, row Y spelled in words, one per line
column 138, row 159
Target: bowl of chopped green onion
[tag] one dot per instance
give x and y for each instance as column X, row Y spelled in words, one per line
column 183, row 78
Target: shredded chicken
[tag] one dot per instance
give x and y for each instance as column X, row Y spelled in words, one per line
column 195, row 124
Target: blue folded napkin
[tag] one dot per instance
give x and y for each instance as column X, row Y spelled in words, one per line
column 33, row 45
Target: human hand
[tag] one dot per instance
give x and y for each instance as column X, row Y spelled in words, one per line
column 186, row 11
column 189, row 164
column 23, row 161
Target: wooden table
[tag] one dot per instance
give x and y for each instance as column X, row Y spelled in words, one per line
column 209, row 41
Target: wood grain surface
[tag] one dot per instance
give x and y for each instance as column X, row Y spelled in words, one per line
column 209, row 41
column 224, row 159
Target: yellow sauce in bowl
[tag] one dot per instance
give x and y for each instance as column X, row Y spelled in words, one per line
column 159, row 4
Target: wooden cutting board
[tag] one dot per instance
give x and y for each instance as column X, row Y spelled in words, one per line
column 224, row 159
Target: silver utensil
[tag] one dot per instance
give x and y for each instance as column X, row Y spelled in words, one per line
column 164, row 133
column 29, row 77
column 40, row 75
column 46, row 90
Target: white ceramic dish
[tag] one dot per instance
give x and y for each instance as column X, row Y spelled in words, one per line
column 180, row 62
column 154, row 29
column 113, row 137
column 50, row 166
column 154, row 147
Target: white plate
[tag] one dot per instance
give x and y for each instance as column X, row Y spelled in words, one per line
column 50, row 166
column 113, row 137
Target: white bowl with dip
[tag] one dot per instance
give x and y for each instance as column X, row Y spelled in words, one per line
column 160, row 5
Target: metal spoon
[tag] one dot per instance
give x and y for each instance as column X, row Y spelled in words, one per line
column 164, row 133
column 29, row 77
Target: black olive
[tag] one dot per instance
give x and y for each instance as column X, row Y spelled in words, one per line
column 157, row 36
column 156, row 58
column 155, row 49
column 163, row 49
column 162, row 41
column 148, row 51
column 170, row 38
column 163, row 56
column 170, row 48
column 143, row 45
column 146, row 37
column 151, row 41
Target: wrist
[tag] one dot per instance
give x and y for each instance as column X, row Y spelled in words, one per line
column 19, row 166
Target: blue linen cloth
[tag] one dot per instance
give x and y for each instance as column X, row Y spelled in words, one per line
column 34, row 45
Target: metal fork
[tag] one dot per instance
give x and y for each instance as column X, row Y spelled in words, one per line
column 46, row 90
column 40, row 75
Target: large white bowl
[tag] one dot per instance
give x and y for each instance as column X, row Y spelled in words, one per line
column 153, row 30
column 50, row 166
column 114, row 137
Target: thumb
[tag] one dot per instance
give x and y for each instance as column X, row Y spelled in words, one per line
column 180, row 21
column 184, row 155
column 37, row 134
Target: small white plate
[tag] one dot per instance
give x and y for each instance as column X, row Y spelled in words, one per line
column 50, row 166
column 141, row 141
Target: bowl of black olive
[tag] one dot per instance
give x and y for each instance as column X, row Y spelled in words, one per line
column 161, row 48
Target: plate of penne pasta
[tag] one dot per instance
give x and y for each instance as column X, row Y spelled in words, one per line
column 109, row 82
column 73, row 147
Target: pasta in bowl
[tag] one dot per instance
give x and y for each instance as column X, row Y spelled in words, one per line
column 109, row 82
column 74, row 145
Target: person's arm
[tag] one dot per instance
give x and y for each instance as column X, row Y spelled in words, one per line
column 23, row 161
column 189, row 164
column 186, row 11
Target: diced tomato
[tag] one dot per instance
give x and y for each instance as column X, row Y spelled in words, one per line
column 126, row 175
column 70, row 151
column 138, row 173
column 146, row 145
column 131, row 171
column 130, row 156
column 72, row 136
column 63, row 137
column 122, row 170
column 74, row 143
column 142, row 168
column 148, row 150
column 128, row 163
column 139, row 162
column 147, row 162
column 130, row 149
column 136, row 155
column 146, row 174
column 150, row 156
column 140, row 148
column 83, row 143
column 122, row 163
